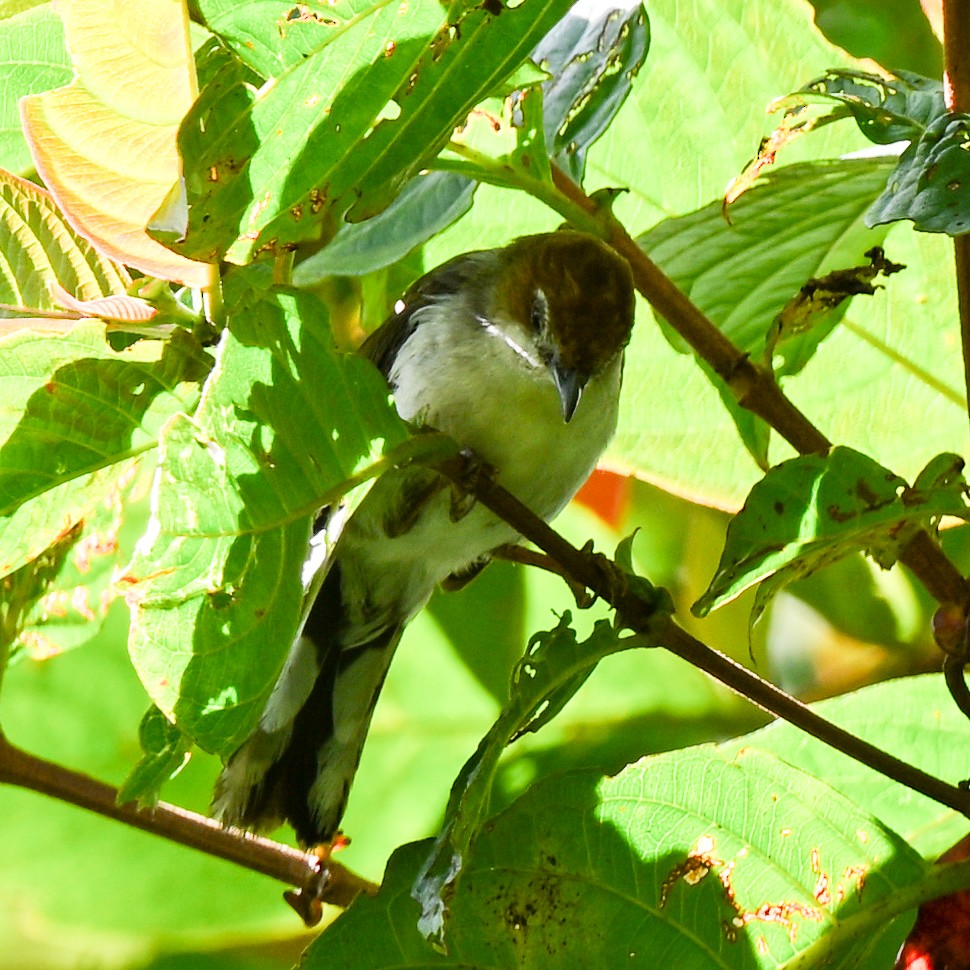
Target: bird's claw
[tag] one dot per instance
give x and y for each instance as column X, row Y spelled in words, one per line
column 474, row 469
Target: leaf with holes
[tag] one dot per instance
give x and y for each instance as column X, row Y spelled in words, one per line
column 592, row 54
column 669, row 856
column 812, row 510
column 927, row 186
column 887, row 110
column 554, row 667
column 742, row 268
column 930, row 183
column 339, row 132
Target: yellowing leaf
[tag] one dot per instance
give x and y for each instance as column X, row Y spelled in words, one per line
column 105, row 144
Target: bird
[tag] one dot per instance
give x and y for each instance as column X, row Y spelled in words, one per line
column 517, row 354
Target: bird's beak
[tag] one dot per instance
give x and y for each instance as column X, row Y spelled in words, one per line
column 569, row 383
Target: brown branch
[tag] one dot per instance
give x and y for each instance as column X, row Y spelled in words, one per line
column 317, row 880
column 607, row 581
column 753, row 386
column 538, row 560
column 956, row 37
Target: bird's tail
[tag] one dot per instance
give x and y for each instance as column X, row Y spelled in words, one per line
column 298, row 765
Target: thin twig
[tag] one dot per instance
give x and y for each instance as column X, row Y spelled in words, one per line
column 604, row 579
column 956, row 37
column 326, row 881
column 538, row 560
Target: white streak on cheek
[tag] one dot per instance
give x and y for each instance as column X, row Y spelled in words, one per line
column 490, row 328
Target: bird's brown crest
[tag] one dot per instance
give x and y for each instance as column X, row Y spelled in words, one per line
column 589, row 289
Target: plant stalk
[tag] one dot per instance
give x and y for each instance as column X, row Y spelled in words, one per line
column 956, row 37
column 326, row 881
column 601, row 576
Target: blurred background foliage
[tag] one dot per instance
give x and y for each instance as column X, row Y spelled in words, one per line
column 129, row 900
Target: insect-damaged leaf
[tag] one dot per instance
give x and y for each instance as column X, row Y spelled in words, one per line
column 338, row 132
column 815, row 509
column 286, row 425
column 929, row 183
column 554, row 668
column 593, row 55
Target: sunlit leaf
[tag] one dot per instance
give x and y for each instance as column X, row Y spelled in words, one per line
column 340, row 131
column 286, row 425
column 75, row 415
column 38, row 250
column 812, row 510
column 33, row 57
column 106, row 150
column 669, row 856
column 75, row 601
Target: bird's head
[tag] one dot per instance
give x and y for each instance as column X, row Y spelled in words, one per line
column 567, row 300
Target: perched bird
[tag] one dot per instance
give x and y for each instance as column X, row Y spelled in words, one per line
column 517, row 354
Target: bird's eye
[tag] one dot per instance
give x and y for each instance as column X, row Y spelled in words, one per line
column 540, row 311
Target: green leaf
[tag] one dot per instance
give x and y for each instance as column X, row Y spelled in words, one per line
column 23, row 588
column 73, row 604
column 593, row 55
column 886, row 110
column 717, row 856
column 588, row 61
column 893, row 33
column 339, row 132
column 275, row 36
column 38, row 249
column 33, row 58
column 554, row 667
column 11, row 8
column 286, row 426
column 895, row 716
column 926, row 184
column 871, row 385
column 812, row 510
column 429, row 203
column 713, row 859
column 166, row 750
column 75, row 415
column 742, row 266
column 930, row 183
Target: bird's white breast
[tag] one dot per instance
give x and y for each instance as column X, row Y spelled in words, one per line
column 475, row 387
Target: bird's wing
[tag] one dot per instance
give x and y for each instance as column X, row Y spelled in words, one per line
column 381, row 346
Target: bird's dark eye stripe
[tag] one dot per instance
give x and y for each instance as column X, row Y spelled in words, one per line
column 540, row 309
